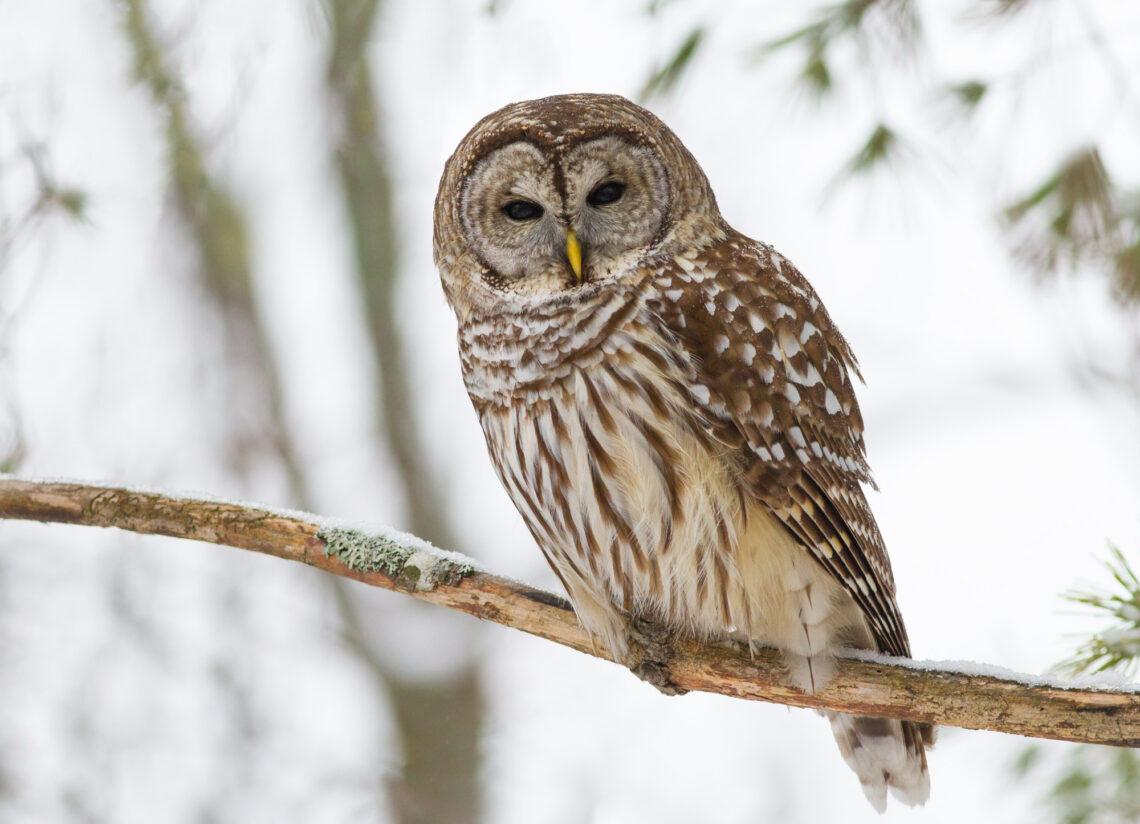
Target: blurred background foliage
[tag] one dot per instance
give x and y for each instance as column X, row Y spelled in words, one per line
column 1083, row 216
column 438, row 718
column 20, row 223
column 1089, row 784
column 1079, row 218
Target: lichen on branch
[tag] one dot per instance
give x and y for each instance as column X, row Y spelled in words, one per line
column 416, row 567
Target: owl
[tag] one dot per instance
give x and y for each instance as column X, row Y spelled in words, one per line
column 667, row 403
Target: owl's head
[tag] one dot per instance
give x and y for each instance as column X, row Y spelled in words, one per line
column 552, row 198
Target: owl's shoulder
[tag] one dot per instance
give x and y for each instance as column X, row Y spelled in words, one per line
column 771, row 361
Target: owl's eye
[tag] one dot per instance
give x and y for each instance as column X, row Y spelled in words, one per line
column 608, row 192
column 522, row 210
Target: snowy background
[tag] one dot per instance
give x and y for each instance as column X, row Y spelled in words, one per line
column 143, row 679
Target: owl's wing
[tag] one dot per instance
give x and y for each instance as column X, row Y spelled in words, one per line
column 772, row 381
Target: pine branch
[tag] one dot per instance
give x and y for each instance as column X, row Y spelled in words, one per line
column 883, row 687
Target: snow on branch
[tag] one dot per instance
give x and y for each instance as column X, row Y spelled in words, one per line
column 959, row 695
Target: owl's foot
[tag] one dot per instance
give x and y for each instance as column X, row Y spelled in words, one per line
column 644, row 647
column 651, row 648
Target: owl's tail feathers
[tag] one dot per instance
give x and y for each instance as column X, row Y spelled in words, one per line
column 885, row 753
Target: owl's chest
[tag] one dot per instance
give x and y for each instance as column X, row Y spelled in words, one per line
column 593, row 418
column 531, row 353
column 616, row 477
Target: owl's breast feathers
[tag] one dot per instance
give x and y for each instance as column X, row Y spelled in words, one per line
column 523, row 352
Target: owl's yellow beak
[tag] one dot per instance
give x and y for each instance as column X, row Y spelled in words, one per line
column 574, row 253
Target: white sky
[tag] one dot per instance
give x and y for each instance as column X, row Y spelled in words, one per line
column 1003, row 471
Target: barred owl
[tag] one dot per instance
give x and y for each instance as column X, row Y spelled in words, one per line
column 667, row 403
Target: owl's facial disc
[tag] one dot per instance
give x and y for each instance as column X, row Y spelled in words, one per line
column 544, row 225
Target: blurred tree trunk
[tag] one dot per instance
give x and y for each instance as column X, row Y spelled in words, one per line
column 219, row 235
column 439, row 719
column 256, row 430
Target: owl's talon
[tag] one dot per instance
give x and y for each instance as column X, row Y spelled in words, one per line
column 657, row 674
column 651, row 647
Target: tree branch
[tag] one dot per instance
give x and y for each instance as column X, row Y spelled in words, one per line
column 883, row 687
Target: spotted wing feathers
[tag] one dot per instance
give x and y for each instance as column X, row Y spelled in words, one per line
column 773, row 380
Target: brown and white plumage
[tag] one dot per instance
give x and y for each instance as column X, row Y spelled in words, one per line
column 674, row 417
